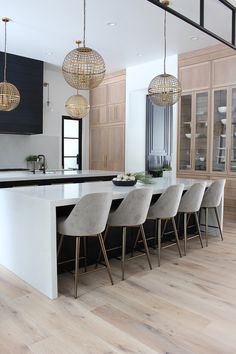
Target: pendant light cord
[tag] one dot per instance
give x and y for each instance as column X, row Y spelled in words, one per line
column 84, row 22
column 165, row 43
column 5, row 55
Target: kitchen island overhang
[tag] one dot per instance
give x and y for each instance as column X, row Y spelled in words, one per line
column 28, row 225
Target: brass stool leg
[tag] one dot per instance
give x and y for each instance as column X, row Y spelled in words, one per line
column 77, row 250
column 123, row 253
column 206, row 227
column 105, row 257
column 185, row 234
column 198, row 227
column 159, row 243
column 176, row 236
column 145, row 245
column 60, row 244
column 218, row 222
column 104, row 240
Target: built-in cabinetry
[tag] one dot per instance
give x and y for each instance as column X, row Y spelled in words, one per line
column 207, row 118
column 107, row 124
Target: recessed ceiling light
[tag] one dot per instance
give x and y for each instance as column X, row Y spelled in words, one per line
column 194, row 38
column 49, row 53
column 111, row 24
column 139, row 54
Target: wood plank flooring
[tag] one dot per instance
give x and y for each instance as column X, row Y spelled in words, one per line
column 186, row 306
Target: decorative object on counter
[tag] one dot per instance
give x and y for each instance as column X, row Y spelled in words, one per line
column 143, row 177
column 9, row 94
column 32, row 162
column 127, row 179
column 77, row 106
column 159, row 171
column 83, row 68
column 164, row 89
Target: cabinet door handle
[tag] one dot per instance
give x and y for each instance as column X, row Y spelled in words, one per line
column 105, row 161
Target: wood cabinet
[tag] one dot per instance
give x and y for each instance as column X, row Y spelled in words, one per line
column 107, row 124
column 207, row 119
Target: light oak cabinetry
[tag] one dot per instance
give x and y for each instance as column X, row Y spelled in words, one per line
column 107, row 124
column 207, row 118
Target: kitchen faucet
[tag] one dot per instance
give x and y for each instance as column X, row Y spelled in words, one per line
column 44, row 162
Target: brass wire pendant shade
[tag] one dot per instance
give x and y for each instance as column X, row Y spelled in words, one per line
column 83, row 68
column 164, row 89
column 77, row 106
column 9, row 94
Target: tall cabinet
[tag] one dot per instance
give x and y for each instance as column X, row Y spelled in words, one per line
column 207, row 118
column 107, row 124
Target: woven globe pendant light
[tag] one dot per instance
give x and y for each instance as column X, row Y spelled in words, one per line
column 164, row 89
column 9, row 94
column 77, row 106
column 83, row 68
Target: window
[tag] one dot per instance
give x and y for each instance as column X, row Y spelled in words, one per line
column 71, row 143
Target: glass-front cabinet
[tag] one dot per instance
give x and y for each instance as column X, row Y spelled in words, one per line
column 219, row 146
column 233, row 133
column 194, row 126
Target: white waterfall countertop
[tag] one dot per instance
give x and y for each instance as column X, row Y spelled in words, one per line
column 28, row 224
column 70, row 193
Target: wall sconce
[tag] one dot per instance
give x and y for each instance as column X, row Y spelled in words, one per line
column 48, row 102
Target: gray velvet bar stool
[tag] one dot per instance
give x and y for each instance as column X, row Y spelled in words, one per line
column 132, row 212
column 211, row 200
column 165, row 208
column 190, row 204
column 87, row 219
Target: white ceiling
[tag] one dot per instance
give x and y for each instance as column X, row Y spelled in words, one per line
column 47, row 29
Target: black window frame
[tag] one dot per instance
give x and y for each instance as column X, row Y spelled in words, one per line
column 79, row 156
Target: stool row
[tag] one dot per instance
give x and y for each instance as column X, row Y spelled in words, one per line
column 92, row 216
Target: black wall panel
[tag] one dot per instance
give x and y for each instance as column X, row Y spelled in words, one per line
column 27, row 75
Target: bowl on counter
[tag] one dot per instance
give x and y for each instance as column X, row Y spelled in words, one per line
column 124, row 183
column 223, row 121
column 222, row 109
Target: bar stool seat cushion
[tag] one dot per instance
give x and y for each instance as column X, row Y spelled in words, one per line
column 132, row 210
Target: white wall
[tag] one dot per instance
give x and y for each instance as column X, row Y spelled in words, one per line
column 14, row 148
column 137, row 82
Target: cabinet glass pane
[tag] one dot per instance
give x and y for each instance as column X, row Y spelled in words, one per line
column 233, row 133
column 219, row 132
column 201, row 131
column 185, row 132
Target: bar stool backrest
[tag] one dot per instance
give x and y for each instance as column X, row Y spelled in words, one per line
column 89, row 216
column 133, row 209
column 192, row 199
column 213, row 194
column 167, row 205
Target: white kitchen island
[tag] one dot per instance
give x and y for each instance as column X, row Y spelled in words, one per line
column 28, row 225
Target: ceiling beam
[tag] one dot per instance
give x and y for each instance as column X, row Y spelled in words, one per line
column 200, row 25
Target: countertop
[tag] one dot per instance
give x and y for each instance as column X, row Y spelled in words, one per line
column 68, row 194
column 9, row 176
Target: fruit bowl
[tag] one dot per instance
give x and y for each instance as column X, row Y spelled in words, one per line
column 124, row 183
column 125, row 180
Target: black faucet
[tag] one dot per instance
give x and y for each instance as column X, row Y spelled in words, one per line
column 44, row 162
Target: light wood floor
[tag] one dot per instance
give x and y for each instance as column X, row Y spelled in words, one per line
column 186, row 306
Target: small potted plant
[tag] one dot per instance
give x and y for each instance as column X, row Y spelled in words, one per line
column 32, row 162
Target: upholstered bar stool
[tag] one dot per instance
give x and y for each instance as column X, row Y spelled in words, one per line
column 88, row 218
column 190, row 204
column 166, row 208
column 211, row 200
column 132, row 212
